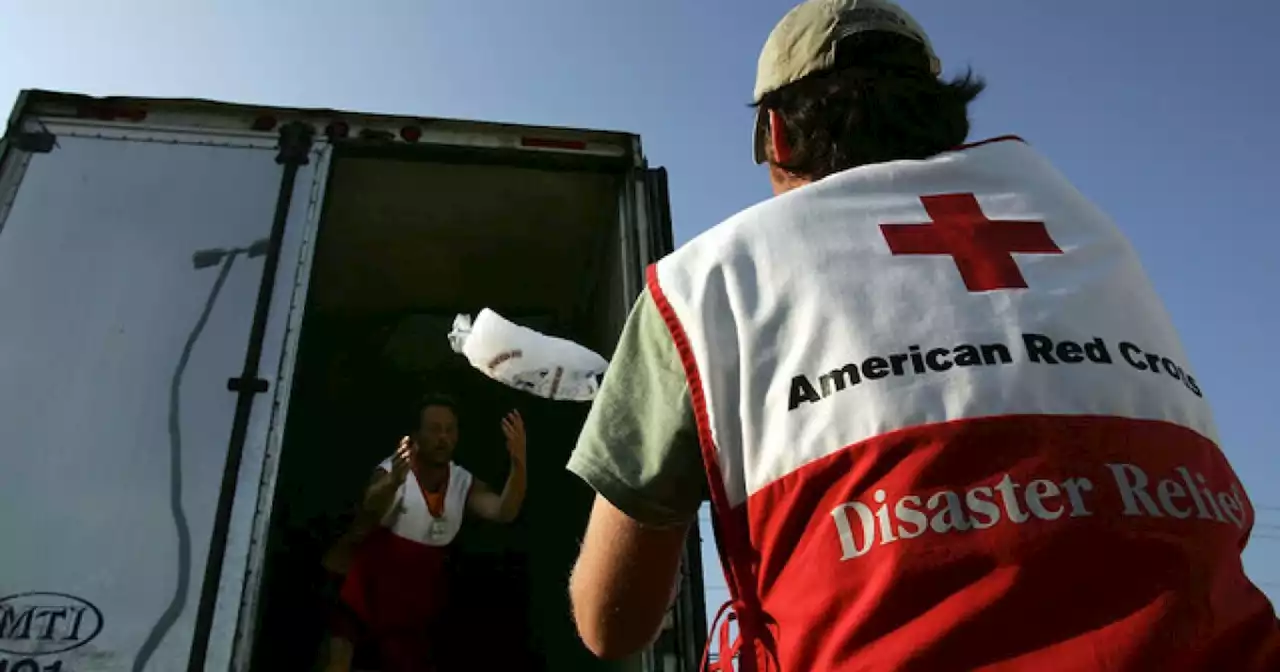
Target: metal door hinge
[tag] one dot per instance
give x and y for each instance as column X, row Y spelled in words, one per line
column 35, row 142
column 254, row 385
column 295, row 143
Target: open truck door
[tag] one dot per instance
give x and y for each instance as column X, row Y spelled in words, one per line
column 146, row 277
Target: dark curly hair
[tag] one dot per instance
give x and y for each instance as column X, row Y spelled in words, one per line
column 879, row 103
column 432, row 399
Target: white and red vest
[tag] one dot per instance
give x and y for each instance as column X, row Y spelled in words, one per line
column 949, row 426
column 398, row 584
column 411, row 518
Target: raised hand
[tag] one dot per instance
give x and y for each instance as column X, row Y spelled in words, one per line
column 513, row 429
column 402, row 460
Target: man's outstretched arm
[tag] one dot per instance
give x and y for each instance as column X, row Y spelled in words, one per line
column 639, row 451
column 503, row 508
column 499, row 507
column 624, row 581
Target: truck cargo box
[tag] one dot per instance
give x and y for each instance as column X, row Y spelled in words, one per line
column 216, row 318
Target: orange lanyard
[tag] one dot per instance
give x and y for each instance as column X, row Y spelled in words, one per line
column 435, row 500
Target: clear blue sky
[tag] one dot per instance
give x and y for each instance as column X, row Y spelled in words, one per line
column 1166, row 113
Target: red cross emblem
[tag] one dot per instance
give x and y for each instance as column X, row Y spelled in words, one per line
column 982, row 248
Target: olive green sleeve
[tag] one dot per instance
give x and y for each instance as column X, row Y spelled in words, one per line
column 639, row 447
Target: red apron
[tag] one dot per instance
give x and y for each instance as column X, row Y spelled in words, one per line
column 398, row 588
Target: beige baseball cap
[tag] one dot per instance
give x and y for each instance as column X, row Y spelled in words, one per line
column 804, row 42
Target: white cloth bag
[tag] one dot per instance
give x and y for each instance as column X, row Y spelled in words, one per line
column 527, row 360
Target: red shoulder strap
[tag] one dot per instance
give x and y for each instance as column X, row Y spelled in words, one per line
column 729, row 524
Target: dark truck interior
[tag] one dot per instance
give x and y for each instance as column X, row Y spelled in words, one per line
column 405, row 245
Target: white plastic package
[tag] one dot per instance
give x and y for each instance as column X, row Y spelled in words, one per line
column 527, row 360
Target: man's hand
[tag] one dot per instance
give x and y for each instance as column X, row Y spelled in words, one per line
column 513, row 429
column 380, row 494
column 503, row 508
column 402, row 460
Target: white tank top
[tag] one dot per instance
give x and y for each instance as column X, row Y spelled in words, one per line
column 410, row 517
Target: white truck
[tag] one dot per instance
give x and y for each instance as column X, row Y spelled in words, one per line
column 213, row 316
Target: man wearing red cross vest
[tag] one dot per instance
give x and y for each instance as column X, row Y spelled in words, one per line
column 942, row 418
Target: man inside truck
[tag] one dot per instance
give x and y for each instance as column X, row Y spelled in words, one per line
column 396, row 586
column 922, row 451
